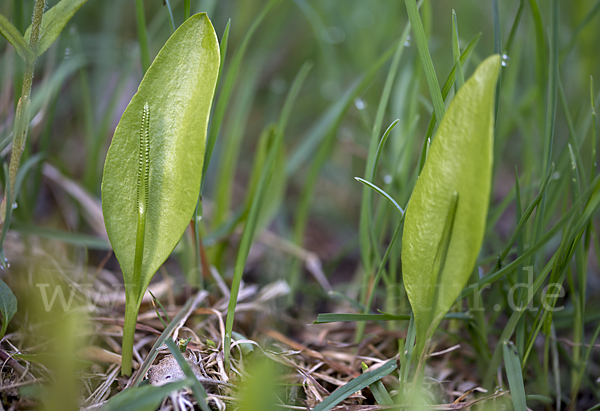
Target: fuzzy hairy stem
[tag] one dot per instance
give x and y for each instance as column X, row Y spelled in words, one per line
column 21, row 124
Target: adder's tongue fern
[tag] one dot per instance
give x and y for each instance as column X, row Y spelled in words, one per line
column 143, row 229
column 142, row 197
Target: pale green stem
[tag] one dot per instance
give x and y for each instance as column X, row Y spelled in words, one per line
column 142, row 37
column 131, row 313
column 134, row 295
column 21, row 117
column 22, row 124
column 187, row 9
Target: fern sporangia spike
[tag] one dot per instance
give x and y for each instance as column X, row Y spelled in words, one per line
column 142, row 195
column 147, row 201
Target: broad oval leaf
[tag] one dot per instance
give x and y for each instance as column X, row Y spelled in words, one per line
column 445, row 218
column 178, row 90
column 53, row 23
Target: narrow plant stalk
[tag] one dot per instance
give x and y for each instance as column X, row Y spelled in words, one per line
column 134, row 292
column 515, row 26
column 228, row 83
column 421, row 41
column 460, row 78
column 497, row 50
column 142, row 200
column 275, row 143
column 168, row 3
column 142, row 37
column 368, row 243
column 21, row 124
column 247, row 237
column 131, row 313
column 594, row 130
column 187, row 9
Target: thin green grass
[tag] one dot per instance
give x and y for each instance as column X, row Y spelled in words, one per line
column 142, row 36
column 295, row 180
column 275, row 142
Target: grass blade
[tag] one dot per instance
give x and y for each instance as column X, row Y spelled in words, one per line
column 367, row 236
column 379, row 391
column 12, row 35
column 187, row 9
column 257, row 199
column 189, row 306
column 515, row 376
column 197, row 388
column 515, row 26
column 230, row 78
column 326, row 124
column 248, row 236
column 143, row 398
column 80, row 240
column 423, row 49
column 383, row 193
column 142, row 35
column 552, row 86
column 168, row 4
column 497, row 50
column 407, row 354
column 345, row 317
column 323, row 133
column 460, row 79
column 232, row 144
column 356, row 384
column 445, row 91
column 54, row 21
column 8, row 306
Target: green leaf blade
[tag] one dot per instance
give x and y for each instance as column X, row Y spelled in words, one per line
column 178, row 87
column 459, row 163
column 12, row 35
column 54, row 22
column 146, row 398
column 8, row 306
column 195, row 385
column 176, row 93
column 356, row 384
column 515, row 376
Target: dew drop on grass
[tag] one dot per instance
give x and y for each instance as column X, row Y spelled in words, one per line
column 330, row 90
column 67, row 53
column 360, row 103
column 333, row 35
column 505, row 60
column 387, row 179
column 14, row 206
column 278, row 85
column 407, row 42
column 363, row 18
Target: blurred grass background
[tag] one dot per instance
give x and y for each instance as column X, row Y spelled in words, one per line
column 95, row 69
column 84, row 82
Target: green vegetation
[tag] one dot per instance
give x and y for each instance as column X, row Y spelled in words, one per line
column 147, row 186
column 445, row 219
column 180, row 189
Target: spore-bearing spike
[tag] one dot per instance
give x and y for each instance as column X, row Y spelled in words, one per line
column 144, row 160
